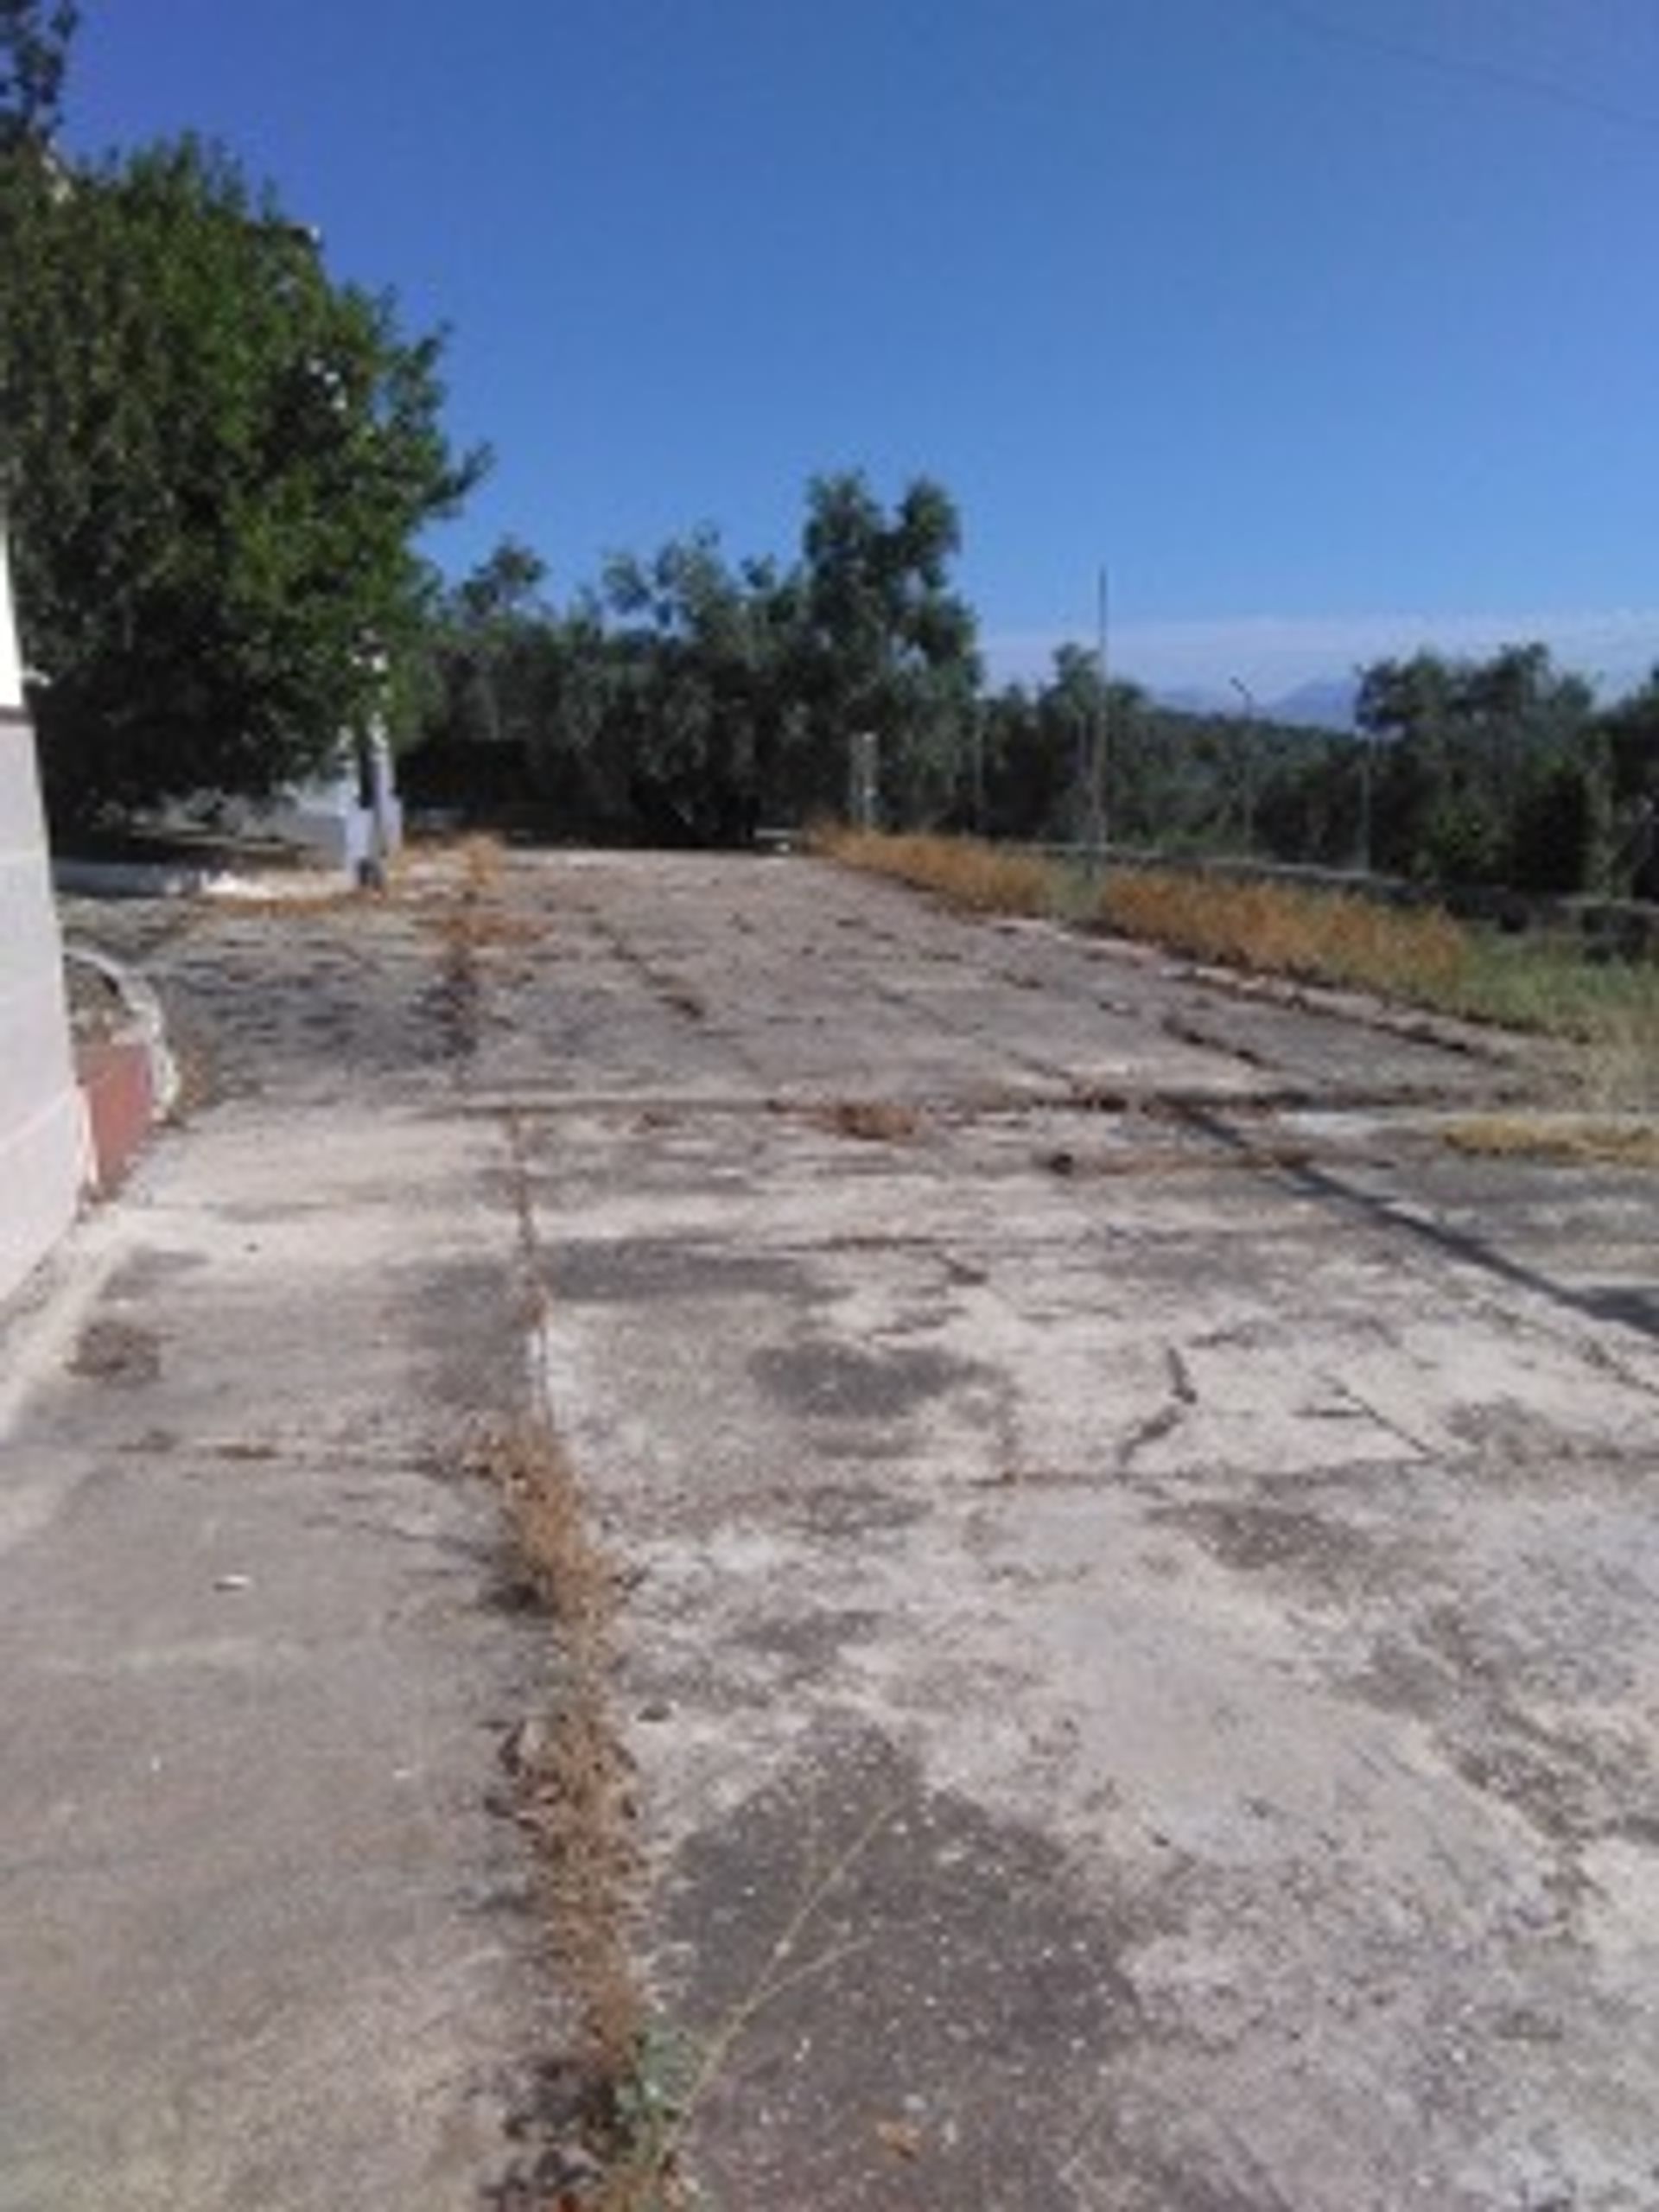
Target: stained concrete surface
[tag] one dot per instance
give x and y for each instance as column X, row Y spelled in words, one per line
column 1141, row 1570
column 1143, row 1667
column 262, row 1941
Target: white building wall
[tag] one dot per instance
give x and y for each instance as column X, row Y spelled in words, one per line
column 42, row 1124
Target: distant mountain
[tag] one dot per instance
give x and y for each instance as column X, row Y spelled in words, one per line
column 1193, row 699
column 1324, row 703
column 1327, row 702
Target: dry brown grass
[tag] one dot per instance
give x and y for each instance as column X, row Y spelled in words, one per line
column 960, row 870
column 476, row 927
column 575, row 1785
column 1568, row 1140
column 1416, row 955
column 470, row 921
column 1272, row 928
column 573, row 1789
column 472, row 914
column 870, row 1121
column 574, row 1778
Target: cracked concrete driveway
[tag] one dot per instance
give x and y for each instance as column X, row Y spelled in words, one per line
column 1142, row 1642
column 1145, row 1666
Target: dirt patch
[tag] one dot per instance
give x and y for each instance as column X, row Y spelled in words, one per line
column 870, row 1121
column 117, row 1351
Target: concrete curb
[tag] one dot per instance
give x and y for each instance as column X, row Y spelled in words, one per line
column 185, row 879
column 133, row 879
column 128, row 1082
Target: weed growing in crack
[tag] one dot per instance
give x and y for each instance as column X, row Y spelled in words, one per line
column 468, row 927
column 625, row 2104
column 575, row 1780
column 870, row 1121
column 675, row 2073
column 573, row 1795
column 649, row 2107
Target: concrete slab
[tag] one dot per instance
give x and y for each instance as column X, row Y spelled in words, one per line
column 263, row 1943
column 1142, row 1666
column 1141, row 1570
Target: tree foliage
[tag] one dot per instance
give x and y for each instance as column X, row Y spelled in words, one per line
column 687, row 698
column 214, row 463
column 886, row 647
column 34, row 41
column 1489, row 772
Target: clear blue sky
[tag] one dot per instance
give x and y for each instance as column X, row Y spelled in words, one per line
column 1330, row 325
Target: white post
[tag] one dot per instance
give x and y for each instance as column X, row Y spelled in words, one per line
column 863, row 767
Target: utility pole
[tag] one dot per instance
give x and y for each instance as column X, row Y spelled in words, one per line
column 1367, row 764
column 1099, row 751
column 1247, row 783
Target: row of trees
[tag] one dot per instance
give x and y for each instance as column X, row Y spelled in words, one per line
column 1501, row 770
column 1505, row 771
column 685, row 697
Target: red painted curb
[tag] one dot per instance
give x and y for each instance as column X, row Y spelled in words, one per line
column 117, row 1084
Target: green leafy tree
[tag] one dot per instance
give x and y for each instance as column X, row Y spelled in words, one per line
column 884, row 645
column 1632, row 726
column 690, row 697
column 1027, row 774
column 35, row 39
column 1629, row 729
column 1406, row 708
column 706, row 655
column 1490, row 772
column 215, row 462
column 487, row 640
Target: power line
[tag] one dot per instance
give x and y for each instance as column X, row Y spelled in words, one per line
column 1317, row 24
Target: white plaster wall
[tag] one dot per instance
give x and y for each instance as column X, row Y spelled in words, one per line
column 42, row 1125
column 11, row 672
